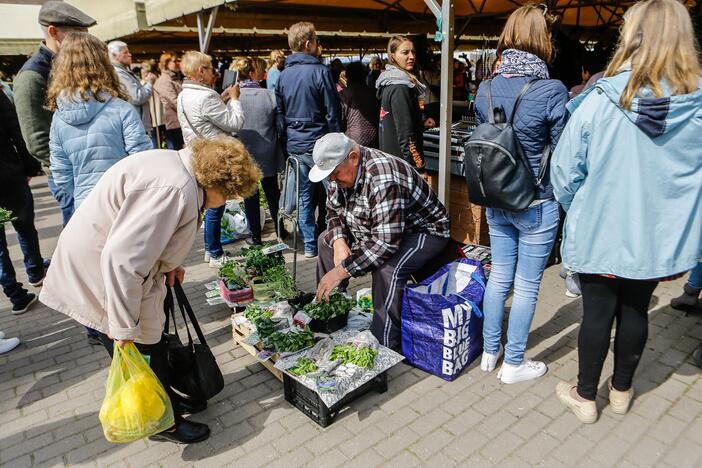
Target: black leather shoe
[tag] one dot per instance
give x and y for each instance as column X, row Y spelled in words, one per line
column 190, row 406
column 186, row 432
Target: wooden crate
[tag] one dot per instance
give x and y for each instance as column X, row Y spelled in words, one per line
column 240, row 332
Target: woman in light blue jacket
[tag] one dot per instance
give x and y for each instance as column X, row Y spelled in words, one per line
column 628, row 171
column 93, row 125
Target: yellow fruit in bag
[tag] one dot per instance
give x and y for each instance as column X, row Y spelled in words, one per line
column 137, row 397
column 136, row 405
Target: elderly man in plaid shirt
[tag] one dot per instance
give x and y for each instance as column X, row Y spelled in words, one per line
column 383, row 218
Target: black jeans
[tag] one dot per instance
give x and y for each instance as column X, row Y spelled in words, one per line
column 605, row 299
column 158, row 354
column 174, row 139
column 22, row 206
column 252, row 206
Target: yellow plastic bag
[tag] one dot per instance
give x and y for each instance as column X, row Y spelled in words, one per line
column 136, row 405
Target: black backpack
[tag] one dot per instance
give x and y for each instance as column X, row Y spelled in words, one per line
column 497, row 173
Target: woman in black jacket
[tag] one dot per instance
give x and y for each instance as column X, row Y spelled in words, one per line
column 400, row 93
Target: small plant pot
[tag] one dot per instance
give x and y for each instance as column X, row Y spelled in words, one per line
column 237, row 296
column 329, row 326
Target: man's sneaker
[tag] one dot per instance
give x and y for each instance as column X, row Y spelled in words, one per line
column 527, row 370
column 217, row 262
column 585, row 411
column 8, row 344
column 619, row 402
column 36, row 282
column 310, row 254
column 24, row 304
column 489, row 361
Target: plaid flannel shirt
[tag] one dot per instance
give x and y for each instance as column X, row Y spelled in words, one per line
column 390, row 198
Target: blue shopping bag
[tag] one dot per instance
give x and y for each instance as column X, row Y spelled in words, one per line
column 442, row 323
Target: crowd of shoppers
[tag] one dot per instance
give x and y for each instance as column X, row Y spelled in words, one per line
column 131, row 193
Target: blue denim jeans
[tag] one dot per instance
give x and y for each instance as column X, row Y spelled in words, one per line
column 307, row 203
column 521, row 243
column 213, row 231
column 695, row 279
column 22, row 207
column 64, row 200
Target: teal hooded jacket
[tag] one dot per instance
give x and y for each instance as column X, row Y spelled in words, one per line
column 631, row 182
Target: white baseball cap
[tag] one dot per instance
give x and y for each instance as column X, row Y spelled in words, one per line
column 329, row 151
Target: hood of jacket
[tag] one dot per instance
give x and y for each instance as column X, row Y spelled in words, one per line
column 394, row 76
column 299, row 58
column 76, row 111
column 653, row 115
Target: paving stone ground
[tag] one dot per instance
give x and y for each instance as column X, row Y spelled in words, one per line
column 51, row 388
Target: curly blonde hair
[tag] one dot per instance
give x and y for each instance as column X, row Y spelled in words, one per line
column 223, row 164
column 83, row 66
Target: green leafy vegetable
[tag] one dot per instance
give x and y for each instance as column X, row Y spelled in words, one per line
column 338, row 305
column 280, row 281
column 349, row 354
column 291, row 341
column 5, row 216
column 232, row 274
column 256, row 262
column 303, row 366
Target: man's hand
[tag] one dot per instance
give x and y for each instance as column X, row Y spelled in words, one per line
column 177, row 274
column 150, row 78
column 341, row 251
column 429, row 123
column 329, row 282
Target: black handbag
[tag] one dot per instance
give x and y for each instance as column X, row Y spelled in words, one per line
column 195, row 370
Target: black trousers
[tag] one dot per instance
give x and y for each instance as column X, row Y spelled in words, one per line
column 252, row 206
column 604, row 300
column 389, row 281
column 158, row 361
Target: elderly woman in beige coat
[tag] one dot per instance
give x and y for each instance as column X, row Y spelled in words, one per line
column 130, row 236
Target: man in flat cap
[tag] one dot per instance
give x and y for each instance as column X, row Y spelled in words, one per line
column 383, row 218
column 57, row 19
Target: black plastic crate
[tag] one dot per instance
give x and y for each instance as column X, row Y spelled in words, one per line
column 307, row 400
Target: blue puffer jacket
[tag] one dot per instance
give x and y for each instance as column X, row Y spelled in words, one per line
column 540, row 117
column 88, row 137
column 308, row 102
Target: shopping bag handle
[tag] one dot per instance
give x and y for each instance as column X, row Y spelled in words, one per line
column 185, row 307
column 473, row 305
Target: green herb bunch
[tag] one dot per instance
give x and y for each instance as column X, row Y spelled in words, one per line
column 291, row 341
column 349, row 354
column 232, row 274
column 256, row 262
column 303, row 366
column 338, row 305
column 280, row 281
column 262, row 320
column 5, row 216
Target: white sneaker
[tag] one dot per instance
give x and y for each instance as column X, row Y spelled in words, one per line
column 207, row 257
column 8, row 344
column 489, row 361
column 527, row 370
column 217, row 262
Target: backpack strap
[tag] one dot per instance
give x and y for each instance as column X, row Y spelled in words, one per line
column 491, row 111
column 519, row 99
column 543, row 167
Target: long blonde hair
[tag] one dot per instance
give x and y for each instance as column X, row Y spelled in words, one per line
column 658, row 42
column 82, row 66
column 528, row 29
